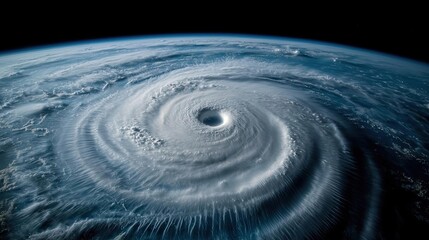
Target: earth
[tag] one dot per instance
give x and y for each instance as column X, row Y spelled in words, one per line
column 212, row 137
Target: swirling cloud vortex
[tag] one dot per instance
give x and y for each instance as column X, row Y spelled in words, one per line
column 200, row 138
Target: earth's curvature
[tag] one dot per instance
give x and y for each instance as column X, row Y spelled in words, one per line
column 220, row 137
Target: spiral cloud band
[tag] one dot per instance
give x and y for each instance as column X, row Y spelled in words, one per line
column 209, row 138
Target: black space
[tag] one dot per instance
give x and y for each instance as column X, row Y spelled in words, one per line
column 402, row 32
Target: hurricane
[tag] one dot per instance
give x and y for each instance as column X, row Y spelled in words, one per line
column 212, row 137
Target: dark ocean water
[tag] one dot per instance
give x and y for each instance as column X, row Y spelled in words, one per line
column 212, row 138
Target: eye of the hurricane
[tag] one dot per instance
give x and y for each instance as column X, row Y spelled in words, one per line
column 213, row 117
